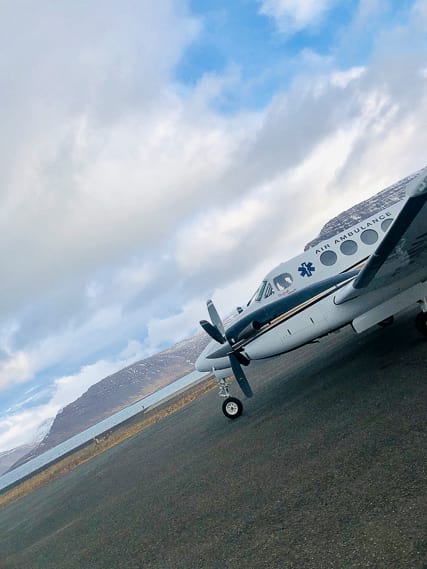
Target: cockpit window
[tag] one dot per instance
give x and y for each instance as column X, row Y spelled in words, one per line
column 268, row 290
column 283, row 281
column 261, row 291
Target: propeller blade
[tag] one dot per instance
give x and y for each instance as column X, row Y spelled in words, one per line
column 240, row 375
column 213, row 332
column 215, row 317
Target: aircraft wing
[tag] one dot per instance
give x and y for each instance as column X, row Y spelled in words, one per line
column 403, row 251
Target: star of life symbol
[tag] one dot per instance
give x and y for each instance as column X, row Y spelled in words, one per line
column 306, row 269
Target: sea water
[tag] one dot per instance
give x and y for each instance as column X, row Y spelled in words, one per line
column 89, row 434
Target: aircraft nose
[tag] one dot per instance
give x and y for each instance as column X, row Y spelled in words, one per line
column 209, row 360
column 202, row 363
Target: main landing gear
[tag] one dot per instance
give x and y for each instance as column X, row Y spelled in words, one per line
column 421, row 318
column 231, row 407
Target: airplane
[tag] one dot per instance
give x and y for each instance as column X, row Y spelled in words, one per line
column 362, row 276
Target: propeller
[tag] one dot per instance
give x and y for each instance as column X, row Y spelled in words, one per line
column 215, row 318
column 239, row 374
column 215, row 329
column 212, row 331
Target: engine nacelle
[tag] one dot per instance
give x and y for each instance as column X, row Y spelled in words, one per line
column 249, row 330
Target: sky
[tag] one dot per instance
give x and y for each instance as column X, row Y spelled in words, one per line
column 154, row 155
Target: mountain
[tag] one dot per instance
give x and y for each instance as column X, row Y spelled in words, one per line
column 119, row 390
column 9, row 457
column 387, row 197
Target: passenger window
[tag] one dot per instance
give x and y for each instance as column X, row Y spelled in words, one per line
column 283, row 281
column 348, row 247
column 328, row 258
column 386, row 224
column 369, row 237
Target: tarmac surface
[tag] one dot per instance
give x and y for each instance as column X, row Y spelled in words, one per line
column 325, row 469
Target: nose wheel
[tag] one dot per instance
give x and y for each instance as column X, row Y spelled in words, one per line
column 232, row 407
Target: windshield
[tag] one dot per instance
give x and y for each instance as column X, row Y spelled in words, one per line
column 258, row 293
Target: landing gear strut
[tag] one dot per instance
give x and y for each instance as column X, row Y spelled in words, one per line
column 231, row 407
column 421, row 318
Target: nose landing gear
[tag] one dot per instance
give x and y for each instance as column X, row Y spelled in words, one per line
column 231, row 407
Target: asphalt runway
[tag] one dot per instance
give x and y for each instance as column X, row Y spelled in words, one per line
column 325, row 469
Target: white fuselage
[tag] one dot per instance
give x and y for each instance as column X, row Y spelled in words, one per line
column 317, row 315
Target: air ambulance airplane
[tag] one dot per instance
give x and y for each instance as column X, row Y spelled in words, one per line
column 362, row 276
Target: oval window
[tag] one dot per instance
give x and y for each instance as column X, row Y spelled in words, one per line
column 283, row 281
column 348, row 247
column 386, row 224
column 369, row 237
column 328, row 258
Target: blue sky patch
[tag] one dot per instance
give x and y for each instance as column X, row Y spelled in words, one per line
column 237, row 36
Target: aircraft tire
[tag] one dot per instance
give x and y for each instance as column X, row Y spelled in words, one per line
column 421, row 323
column 232, row 408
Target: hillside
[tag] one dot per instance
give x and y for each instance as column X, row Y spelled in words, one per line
column 386, row 198
column 10, row 457
column 120, row 390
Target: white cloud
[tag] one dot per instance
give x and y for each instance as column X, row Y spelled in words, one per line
column 292, row 15
column 16, row 369
column 176, row 327
column 420, row 13
column 343, row 78
column 73, row 343
column 219, row 233
column 20, row 428
column 96, row 157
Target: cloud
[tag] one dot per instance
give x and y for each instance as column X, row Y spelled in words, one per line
column 419, row 11
column 16, row 369
column 20, row 428
column 217, row 234
column 175, row 328
column 76, row 156
column 293, row 15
